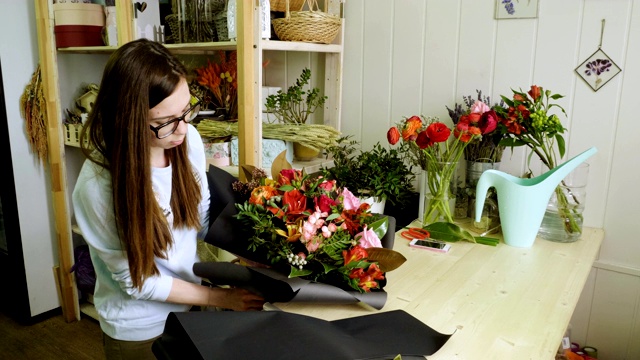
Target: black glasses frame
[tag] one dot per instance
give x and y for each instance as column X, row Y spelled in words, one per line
column 155, row 129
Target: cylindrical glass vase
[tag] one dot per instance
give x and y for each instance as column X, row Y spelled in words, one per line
column 563, row 218
column 436, row 192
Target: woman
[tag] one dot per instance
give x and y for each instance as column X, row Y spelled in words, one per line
column 141, row 198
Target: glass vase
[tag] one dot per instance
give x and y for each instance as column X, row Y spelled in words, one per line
column 562, row 221
column 436, row 192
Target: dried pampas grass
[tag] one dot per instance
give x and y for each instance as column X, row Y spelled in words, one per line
column 34, row 111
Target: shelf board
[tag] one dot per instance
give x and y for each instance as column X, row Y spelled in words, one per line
column 211, row 47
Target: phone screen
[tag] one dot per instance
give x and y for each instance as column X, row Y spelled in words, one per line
column 430, row 244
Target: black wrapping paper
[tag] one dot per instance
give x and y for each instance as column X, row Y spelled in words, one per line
column 280, row 335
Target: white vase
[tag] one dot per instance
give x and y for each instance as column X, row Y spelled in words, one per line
column 377, row 205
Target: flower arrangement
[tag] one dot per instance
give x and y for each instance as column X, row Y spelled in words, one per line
column 526, row 120
column 217, row 84
column 427, row 143
column 480, row 111
column 315, row 230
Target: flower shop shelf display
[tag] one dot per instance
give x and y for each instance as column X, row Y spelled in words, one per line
column 307, row 236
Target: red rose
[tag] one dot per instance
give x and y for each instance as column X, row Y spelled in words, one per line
column 324, row 203
column 423, row 140
column 393, row 135
column 488, row 122
column 535, row 92
column 438, row 132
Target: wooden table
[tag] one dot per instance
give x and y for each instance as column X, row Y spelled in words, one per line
column 498, row 302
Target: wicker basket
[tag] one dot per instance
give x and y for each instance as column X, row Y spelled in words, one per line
column 281, row 5
column 308, row 26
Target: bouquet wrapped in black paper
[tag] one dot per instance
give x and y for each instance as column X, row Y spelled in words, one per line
column 305, row 231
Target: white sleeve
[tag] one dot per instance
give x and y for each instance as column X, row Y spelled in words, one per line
column 199, row 163
column 93, row 209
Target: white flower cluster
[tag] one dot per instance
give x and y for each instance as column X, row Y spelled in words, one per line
column 296, row 260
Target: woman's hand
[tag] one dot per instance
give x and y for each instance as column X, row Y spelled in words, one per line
column 236, row 299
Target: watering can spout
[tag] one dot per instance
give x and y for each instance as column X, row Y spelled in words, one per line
column 522, row 202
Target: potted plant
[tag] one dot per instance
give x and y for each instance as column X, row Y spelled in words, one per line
column 379, row 173
column 294, row 106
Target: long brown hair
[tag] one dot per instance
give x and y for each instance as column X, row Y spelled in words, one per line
column 137, row 77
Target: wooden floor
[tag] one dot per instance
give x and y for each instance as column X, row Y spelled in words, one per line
column 52, row 338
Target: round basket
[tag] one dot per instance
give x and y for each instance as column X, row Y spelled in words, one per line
column 308, row 26
column 281, row 5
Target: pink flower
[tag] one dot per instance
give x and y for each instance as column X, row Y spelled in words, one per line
column 326, row 232
column 327, row 185
column 349, row 201
column 368, row 238
column 479, row 107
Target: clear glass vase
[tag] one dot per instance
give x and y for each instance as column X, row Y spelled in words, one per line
column 437, row 195
column 562, row 221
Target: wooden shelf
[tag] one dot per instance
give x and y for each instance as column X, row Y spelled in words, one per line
column 211, row 47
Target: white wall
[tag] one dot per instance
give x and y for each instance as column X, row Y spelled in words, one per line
column 19, row 53
column 408, row 57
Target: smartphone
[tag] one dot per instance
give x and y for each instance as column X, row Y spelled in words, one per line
column 430, row 244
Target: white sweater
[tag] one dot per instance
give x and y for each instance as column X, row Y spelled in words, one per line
column 126, row 313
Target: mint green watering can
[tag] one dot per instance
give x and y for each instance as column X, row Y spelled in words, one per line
column 523, row 202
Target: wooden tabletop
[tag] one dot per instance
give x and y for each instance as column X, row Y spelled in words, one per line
column 498, row 302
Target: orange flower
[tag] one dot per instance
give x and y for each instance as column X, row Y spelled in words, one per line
column 262, row 193
column 409, row 131
column 393, row 135
column 438, row 132
column 535, row 92
column 356, row 253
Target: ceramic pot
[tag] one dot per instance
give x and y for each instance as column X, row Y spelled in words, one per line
column 304, row 153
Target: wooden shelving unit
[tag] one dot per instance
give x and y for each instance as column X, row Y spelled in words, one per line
column 250, row 50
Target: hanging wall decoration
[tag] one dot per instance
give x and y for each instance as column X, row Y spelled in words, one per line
column 598, row 69
column 33, row 110
column 516, row 9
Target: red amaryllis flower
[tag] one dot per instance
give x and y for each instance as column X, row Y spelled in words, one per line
column 262, row 193
column 295, row 203
column 423, row 140
column 393, row 135
column 535, row 92
column 438, row 132
column 356, row 253
column 411, row 127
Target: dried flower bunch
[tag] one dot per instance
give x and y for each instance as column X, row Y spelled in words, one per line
column 220, row 83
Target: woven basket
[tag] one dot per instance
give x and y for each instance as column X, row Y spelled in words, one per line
column 308, row 26
column 281, row 5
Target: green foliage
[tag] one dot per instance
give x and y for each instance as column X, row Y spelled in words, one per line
column 379, row 172
column 296, row 104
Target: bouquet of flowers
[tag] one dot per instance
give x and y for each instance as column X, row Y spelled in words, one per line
column 217, row 84
column 313, row 229
column 427, row 143
column 487, row 149
column 527, row 122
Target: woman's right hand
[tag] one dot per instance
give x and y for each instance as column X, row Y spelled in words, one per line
column 239, row 299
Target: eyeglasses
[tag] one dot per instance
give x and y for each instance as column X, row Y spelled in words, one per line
column 168, row 128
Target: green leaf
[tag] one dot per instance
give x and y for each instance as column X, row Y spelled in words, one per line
column 380, row 227
column 561, row 144
column 487, row 240
column 295, row 272
column 328, row 267
column 446, row 231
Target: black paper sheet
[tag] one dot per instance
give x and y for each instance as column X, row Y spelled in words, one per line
column 277, row 287
column 229, row 234
column 280, row 335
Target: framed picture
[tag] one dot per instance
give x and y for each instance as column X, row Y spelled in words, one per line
column 597, row 70
column 516, row 9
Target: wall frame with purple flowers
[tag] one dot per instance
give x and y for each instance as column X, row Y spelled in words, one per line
column 598, row 69
column 516, row 9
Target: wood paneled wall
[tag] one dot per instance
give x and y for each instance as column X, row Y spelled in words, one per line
column 408, row 57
